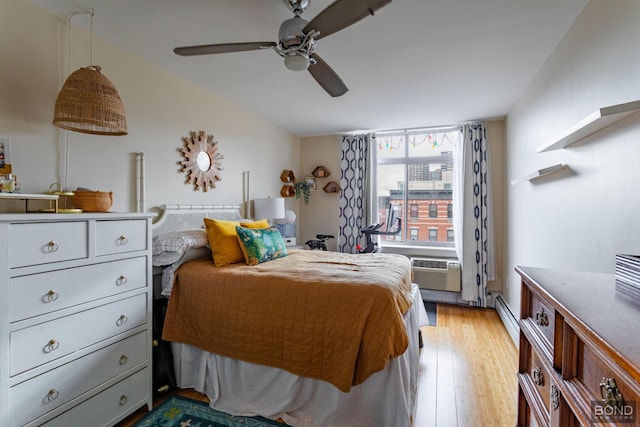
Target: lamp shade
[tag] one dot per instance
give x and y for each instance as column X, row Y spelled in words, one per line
column 89, row 103
column 270, row 208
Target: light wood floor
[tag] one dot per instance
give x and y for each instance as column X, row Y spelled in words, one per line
column 468, row 372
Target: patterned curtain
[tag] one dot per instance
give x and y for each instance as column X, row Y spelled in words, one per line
column 477, row 237
column 354, row 184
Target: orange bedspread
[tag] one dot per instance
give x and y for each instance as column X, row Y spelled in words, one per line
column 325, row 315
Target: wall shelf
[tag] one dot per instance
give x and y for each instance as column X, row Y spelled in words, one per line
column 332, row 187
column 539, row 174
column 287, row 191
column 595, row 121
column 288, row 176
column 321, row 172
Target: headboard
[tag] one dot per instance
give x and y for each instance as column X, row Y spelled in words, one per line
column 181, row 217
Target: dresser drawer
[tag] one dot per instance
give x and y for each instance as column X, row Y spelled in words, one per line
column 42, row 293
column 41, row 243
column 42, row 343
column 37, row 396
column 600, row 380
column 542, row 315
column 539, row 375
column 535, row 381
column 113, row 237
column 105, row 408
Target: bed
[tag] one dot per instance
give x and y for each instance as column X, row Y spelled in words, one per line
column 340, row 352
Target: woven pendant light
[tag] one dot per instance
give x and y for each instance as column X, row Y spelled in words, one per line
column 89, row 103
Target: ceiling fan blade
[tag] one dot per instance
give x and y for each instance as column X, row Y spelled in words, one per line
column 326, row 77
column 342, row 13
column 208, row 49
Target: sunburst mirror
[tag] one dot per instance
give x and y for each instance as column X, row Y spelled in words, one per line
column 202, row 161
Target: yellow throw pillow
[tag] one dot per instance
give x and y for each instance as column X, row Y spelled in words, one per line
column 223, row 239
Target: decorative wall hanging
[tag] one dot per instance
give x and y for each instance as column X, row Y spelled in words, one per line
column 202, row 163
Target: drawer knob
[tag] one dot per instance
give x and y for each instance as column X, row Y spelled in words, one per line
column 122, row 240
column 541, row 317
column 610, row 394
column 123, row 359
column 538, row 376
column 52, row 246
column 122, row 280
column 52, row 395
column 52, row 345
column 51, row 296
column 555, row 397
column 121, row 320
column 123, row 400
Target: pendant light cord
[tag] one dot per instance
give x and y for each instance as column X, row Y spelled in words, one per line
column 70, row 50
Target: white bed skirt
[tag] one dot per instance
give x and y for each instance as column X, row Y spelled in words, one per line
column 387, row 398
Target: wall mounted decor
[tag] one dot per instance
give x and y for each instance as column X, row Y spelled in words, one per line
column 202, row 163
column 332, row 187
column 321, row 172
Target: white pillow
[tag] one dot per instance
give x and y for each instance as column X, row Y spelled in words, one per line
column 170, row 247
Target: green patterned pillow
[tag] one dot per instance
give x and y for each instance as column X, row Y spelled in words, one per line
column 261, row 244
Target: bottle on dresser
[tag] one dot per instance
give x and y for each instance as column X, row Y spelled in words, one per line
column 9, row 183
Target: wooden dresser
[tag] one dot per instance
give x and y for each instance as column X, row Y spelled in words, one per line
column 579, row 351
column 75, row 318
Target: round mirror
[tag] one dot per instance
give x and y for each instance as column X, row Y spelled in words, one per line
column 204, row 161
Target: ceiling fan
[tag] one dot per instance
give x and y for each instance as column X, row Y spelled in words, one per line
column 297, row 39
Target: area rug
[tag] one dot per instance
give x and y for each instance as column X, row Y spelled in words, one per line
column 178, row 411
column 431, row 306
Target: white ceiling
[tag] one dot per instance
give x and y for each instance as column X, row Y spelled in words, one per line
column 414, row 63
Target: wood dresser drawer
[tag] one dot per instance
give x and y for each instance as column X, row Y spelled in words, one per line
column 37, row 396
column 541, row 314
column 596, row 379
column 42, row 293
column 122, row 397
column 41, row 243
column 114, row 237
column 42, row 343
column 535, row 378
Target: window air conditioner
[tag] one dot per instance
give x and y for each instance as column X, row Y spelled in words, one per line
column 436, row 274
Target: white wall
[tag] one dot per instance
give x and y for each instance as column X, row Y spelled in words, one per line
column 321, row 215
column 581, row 220
column 161, row 109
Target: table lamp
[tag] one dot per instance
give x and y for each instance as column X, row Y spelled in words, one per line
column 269, row 208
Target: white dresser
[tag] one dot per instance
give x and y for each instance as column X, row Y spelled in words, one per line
column 75, row 318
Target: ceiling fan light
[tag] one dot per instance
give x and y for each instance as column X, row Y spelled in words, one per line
column 296, row 62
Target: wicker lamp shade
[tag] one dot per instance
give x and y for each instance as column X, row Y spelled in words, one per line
column 89, row 103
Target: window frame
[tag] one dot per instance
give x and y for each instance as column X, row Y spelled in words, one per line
column 406, row 161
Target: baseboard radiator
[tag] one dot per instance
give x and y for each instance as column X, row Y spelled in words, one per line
column 509, row 320
column 437, row 274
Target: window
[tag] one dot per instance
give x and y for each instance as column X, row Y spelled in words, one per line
column 413, row 212
column 413, row 177
column 450, row 235
column 414, row 233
